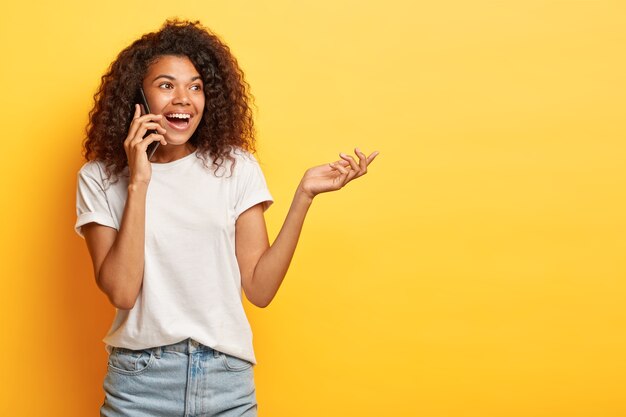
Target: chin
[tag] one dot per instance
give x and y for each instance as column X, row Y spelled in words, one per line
column 176, row 141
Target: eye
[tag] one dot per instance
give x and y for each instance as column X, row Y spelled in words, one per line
column 196, row 87
column 165, row 85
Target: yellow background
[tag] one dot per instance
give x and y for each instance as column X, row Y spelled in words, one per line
column 477, row 270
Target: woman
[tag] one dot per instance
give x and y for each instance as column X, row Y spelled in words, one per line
column 175, row 239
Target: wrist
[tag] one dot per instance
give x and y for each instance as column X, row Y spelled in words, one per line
column 303, row 196
column 138, row 186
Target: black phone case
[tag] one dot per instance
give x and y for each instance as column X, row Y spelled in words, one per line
column 154, row 145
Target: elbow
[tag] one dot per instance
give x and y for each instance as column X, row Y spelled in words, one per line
column 122, row 303
column 260, row 301
column 122, row 300
column 259, row 295
column 262, row 304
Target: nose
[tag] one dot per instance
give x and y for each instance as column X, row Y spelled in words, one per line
column 181, row 97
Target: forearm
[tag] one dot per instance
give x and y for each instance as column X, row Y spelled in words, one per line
column 274, row 263
column 121, row 273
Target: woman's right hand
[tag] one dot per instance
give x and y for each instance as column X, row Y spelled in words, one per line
column 136, row 145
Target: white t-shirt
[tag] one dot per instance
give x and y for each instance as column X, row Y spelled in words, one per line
column 192, row 283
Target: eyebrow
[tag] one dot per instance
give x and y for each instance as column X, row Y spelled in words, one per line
column 169, row 77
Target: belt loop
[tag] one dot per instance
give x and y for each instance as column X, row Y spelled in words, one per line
column 157, row 352
column 216, row 354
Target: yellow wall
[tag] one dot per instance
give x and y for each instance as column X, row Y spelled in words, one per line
column 477, row 270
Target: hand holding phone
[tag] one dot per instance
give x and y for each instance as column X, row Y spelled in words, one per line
column 154, row 145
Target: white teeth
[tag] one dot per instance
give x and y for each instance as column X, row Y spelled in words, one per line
column 179, row 115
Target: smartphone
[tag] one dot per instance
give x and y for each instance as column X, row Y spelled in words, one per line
column 154, row 145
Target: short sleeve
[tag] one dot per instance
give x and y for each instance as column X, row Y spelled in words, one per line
column 91, row 199
column 251, row 187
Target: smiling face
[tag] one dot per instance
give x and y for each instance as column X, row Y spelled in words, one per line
column 174, row 88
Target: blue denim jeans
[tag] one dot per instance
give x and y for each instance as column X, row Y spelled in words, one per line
column 186, row 379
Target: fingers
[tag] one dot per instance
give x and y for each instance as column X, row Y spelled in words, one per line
column 141, row 124
column 142, row 145
column 342, row 179
column 339, row 167
column 148, row 125
column 353, row 165
column 139, row 135
column 335, row 175
column 350, row 161
column 362, row 161
column 372, row 156
column 133, row 125
column 357, row 170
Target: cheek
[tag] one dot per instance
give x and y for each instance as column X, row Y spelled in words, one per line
column 157, row 103
column 200, row 106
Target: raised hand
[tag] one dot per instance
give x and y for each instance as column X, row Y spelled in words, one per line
column 335, row 175
column 135, row 144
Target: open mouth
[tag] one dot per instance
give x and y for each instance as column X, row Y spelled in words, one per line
column 178, row 120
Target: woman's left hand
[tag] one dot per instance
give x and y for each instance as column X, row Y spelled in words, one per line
column 335, row 175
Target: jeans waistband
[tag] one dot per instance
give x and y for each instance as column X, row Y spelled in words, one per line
column 186, row 346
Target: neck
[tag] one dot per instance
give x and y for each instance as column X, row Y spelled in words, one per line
column 170, row 153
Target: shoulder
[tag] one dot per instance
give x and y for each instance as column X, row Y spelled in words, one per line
column 246, row 158
column 92, row 169
column 243, row 156
column 96, row 170
column 243, row 162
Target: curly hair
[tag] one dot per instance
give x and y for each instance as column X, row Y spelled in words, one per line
column 226, row 123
